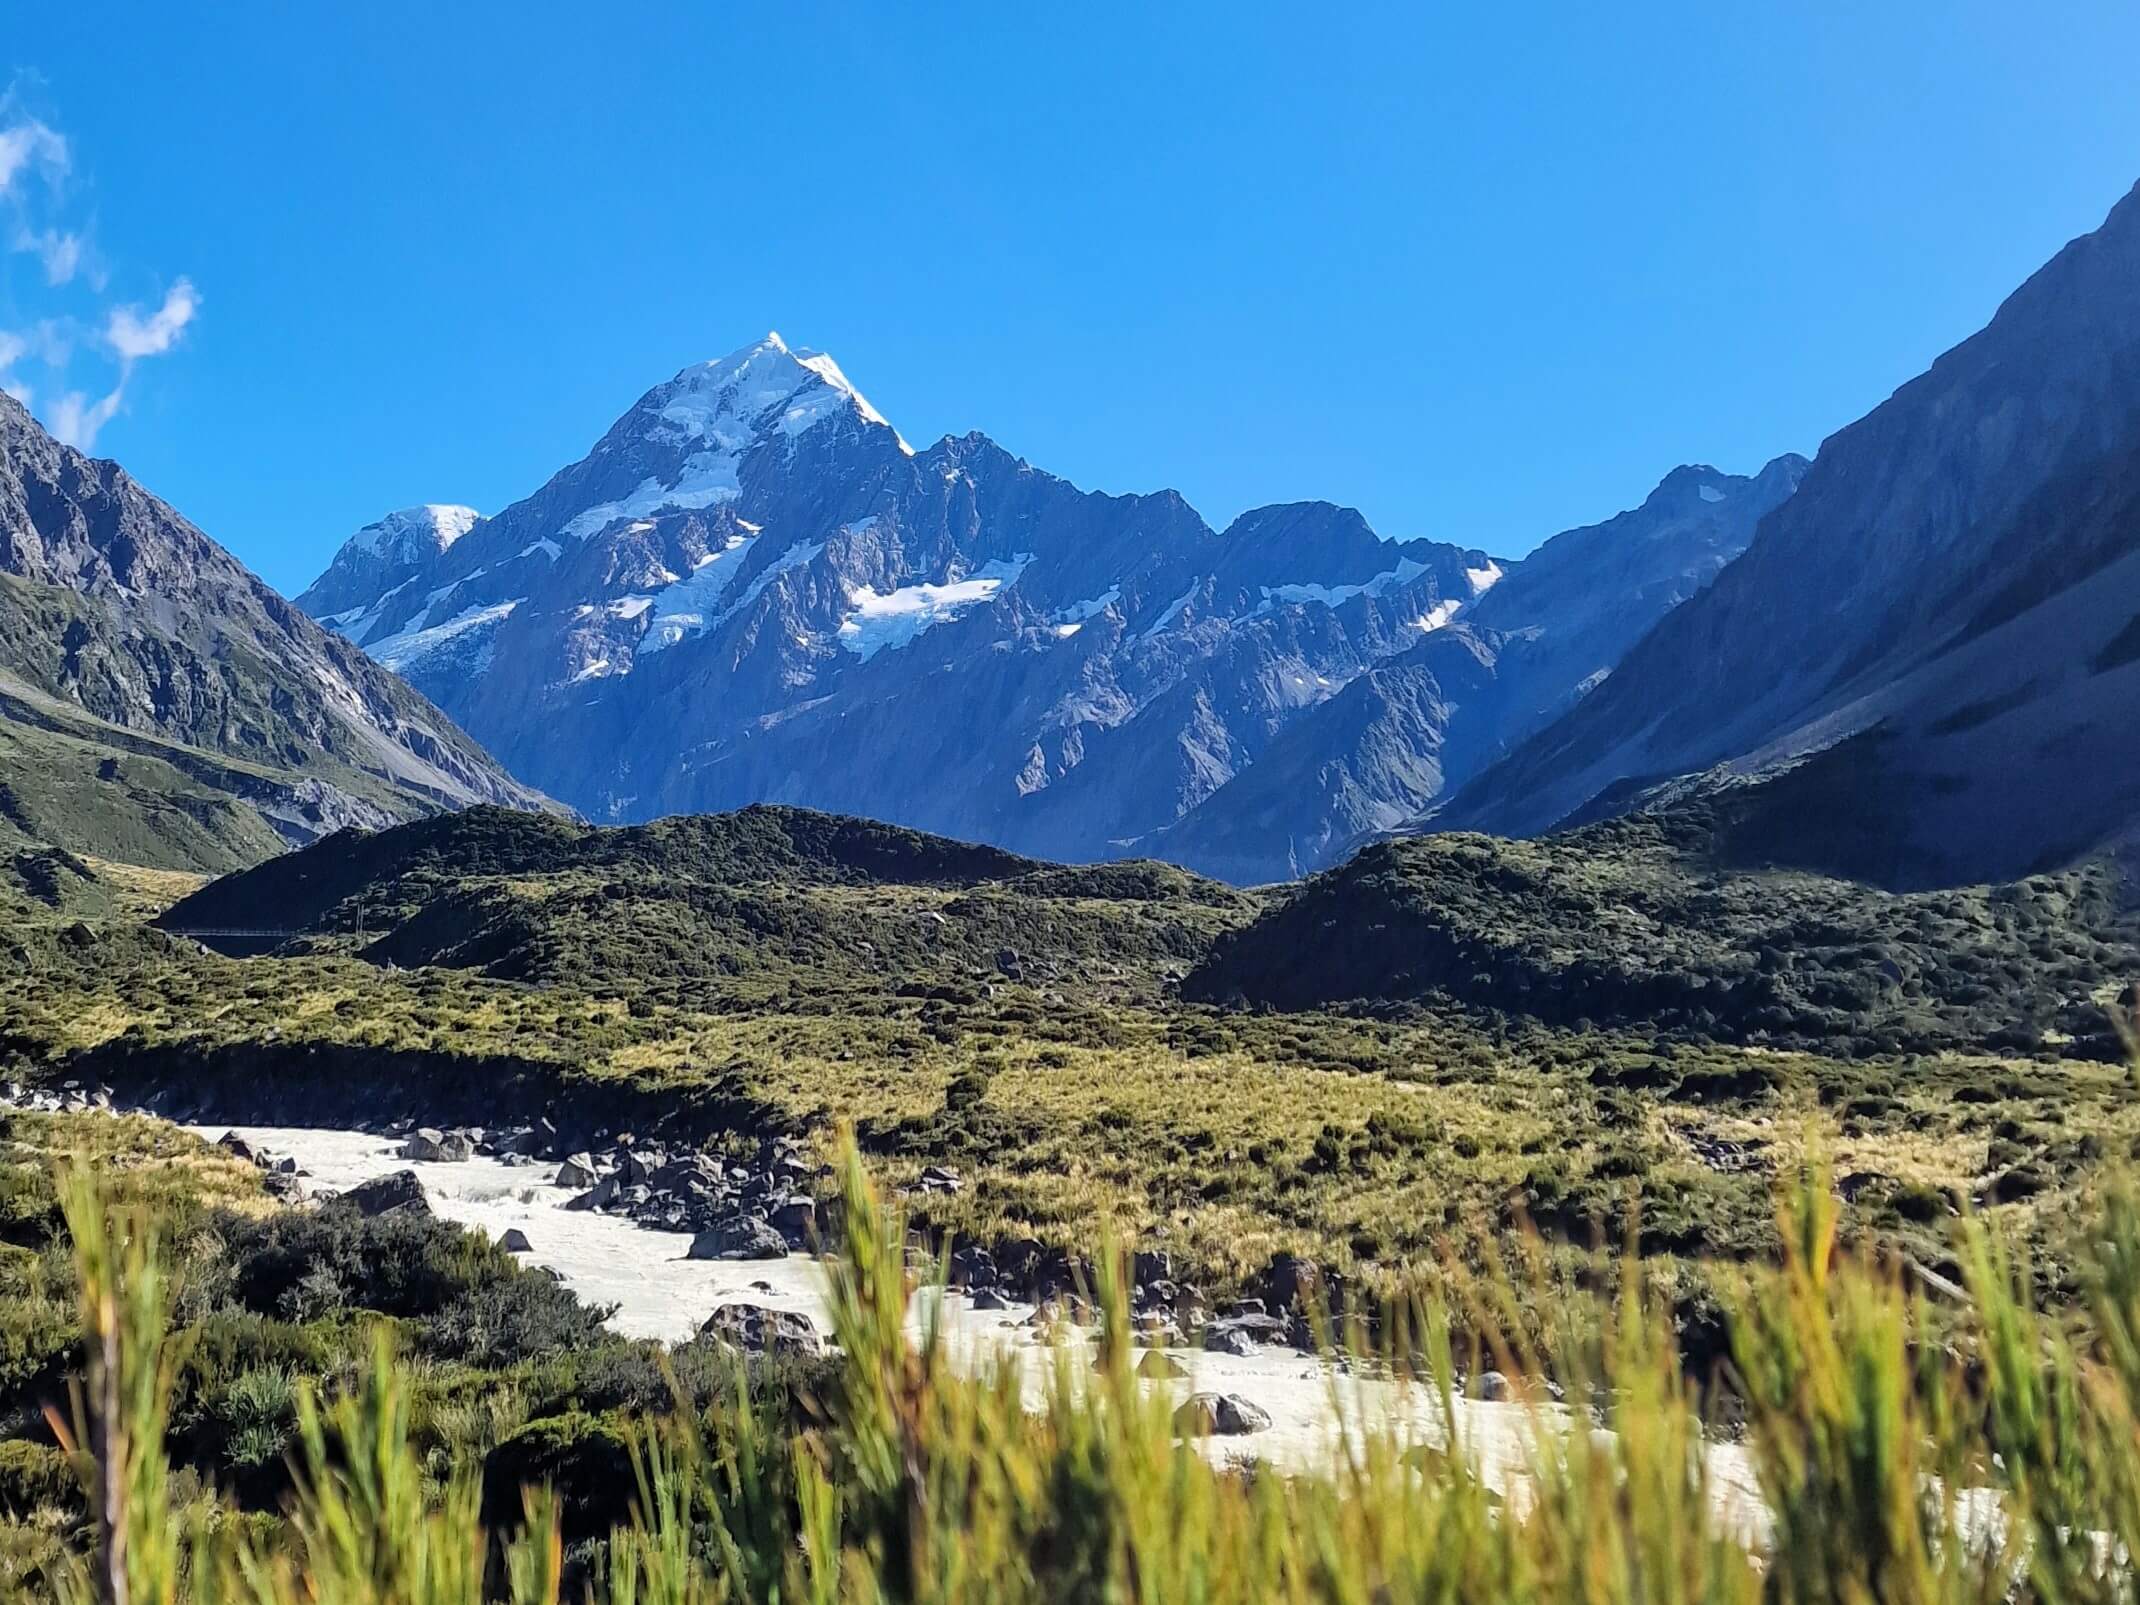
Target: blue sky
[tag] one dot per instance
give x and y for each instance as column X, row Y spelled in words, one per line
column 1482, row 276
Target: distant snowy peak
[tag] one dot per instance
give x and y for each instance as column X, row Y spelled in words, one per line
column 689, row 444
column 415, row 534
column 763, row 390
column 386, row 553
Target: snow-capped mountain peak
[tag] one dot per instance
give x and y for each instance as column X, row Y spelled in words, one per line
column 411, row 534
column 747, row 589
column 386, row 553
column 763, row 389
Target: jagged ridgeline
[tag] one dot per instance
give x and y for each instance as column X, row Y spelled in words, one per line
column 702, row 905
column 1647, row 919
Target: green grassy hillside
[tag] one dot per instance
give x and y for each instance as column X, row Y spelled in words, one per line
column 1635, row 923
column 721, row 908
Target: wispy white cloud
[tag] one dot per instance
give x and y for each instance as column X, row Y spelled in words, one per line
column 34, row 167
column 59, row 250
column 29, row 145
column 133, row 336
column 50, row 341
column 75, row 420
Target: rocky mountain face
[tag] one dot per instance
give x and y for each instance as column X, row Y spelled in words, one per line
column 1417, row 725
column 753, row 589
column 1926, row 666
column 159, row 703
column 384, row 555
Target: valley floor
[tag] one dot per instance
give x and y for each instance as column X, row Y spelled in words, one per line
column 1494, row 1176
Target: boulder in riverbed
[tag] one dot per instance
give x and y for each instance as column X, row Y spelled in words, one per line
column 743, row 1237
column 973, row 1266
column 757, row 1329
column 515, row 1241
column 796, row 1221
column 1226, row 1337
column 1219, row 1415
column 399, row 1192
column 427, row 1144
column 578, row 1172
column 599, row 1196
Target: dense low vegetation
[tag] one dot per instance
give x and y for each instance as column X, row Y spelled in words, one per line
column 1639, row 921
column 1026, row 1025
column 1069, row 1086
column 725, row 910
column 496, row 1366
column 1999, row 1462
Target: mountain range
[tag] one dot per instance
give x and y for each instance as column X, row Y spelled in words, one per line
column 160, row 705
column 1926, row 666
column 1912, row 661
column 753, row 589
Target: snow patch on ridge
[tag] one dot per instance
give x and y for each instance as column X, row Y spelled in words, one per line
column 1079, row 612
column 1173, row 611
column 1404, row 573
column 896, row 618
column 682, row 609
column 400, row 651
column 706, row 477
column 1481, row 581
column 412, row 533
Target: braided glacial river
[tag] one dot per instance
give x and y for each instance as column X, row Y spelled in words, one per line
column 659, row 1293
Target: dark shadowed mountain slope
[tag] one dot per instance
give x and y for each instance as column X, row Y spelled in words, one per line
column 1931, row 643
column 159, row 703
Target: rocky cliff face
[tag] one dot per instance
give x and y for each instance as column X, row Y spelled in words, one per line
column 1926, row 660
column 135, row 650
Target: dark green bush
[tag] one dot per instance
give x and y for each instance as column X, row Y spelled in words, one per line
column 587, row 1458
column 35, row 1477
column 503, row 1322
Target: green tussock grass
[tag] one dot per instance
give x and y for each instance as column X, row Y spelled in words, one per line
column 1998, row 1463
column 1360, row 1141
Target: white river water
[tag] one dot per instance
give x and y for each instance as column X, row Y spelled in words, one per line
column 658, row 1293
